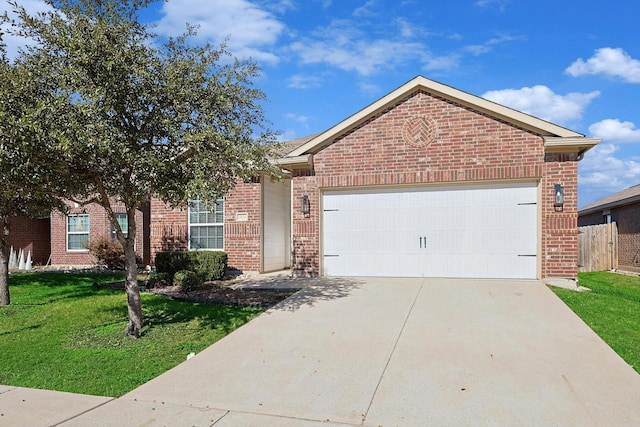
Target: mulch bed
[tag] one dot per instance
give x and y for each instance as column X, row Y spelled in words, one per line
column 216, row 293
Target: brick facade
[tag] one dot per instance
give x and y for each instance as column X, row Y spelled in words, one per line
column 628, row 220
column 560, row 233
column 31, row 235
column 242, row 227
column 468, row 147
column 99, row 225
column 420, row 134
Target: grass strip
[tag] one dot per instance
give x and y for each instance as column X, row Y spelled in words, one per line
column 611, row 309
column 61, row 333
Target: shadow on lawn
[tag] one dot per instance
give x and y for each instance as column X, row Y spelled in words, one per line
column 55, row 286
column 159, row 310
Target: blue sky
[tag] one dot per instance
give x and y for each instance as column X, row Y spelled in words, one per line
column 574, row 63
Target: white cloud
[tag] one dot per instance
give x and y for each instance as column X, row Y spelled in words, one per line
column 346, row 45
column 613, row 62
column 501, row 5
column 369, row 89
column 542, row 102
column 287, row 135
column 613, row 130
column 365, row 9
column 407, row 29
column 447, row 62
column 251, row 29
column 356, row 54
column 303, row 81
column 325, row 3
column 281, row 6
column 365, row 45
column 487, row 46
column 297, row 118
column 602, row 173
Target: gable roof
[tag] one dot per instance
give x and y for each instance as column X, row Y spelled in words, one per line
column 288, row 146
column 624, row 197
column 557, row 138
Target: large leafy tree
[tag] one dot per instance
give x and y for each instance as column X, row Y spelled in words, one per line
column 27, row 157
column 145, row 117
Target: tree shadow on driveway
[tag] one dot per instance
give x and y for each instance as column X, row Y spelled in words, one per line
column 310, row 290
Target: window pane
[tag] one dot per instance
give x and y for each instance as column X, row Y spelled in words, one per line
column 123, row 221
column 77, row 241
column 206, row 237
column 198, row 213
column 219, row 211
column 78, row 223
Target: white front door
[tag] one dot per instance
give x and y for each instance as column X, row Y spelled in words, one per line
column 276, row 224
column 482, row 231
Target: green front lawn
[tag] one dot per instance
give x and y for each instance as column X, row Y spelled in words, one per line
column 611, row 309
column 60, row 333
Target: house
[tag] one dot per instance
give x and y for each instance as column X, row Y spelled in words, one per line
column 70, row 233
column 427, row 181
column 623, row 208
column 61, row 240
column 32, row 235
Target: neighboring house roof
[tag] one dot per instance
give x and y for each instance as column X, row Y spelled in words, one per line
column 287, row 147
column 556, row 138
column 624, row 197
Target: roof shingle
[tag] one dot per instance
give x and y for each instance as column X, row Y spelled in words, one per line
column 628, row 195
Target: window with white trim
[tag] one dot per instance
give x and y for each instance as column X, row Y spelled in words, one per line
column 206, row 226
column 124, row 225
column 77, row 232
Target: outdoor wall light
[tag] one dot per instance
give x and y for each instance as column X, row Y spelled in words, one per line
column 559, row 196
column 304, row 205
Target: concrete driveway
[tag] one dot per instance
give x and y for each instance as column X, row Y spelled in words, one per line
column 394, row 352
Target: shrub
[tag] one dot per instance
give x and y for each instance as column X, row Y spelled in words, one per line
column 210, row 265
column 109, row 253
column 188, row 280
column 172, row 262
column 157, row 280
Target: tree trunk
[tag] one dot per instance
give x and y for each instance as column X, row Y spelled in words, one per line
column 134, row 302
column 4, row 262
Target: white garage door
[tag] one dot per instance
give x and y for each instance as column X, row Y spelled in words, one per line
column 470, row 231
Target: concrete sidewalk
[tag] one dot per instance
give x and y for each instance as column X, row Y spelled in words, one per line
column 380, row 352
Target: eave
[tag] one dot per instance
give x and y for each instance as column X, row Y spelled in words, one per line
column 578, row 145
column 298, row 162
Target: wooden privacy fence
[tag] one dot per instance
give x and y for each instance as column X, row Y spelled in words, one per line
column 598, row 247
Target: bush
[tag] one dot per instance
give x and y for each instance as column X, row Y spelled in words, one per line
column 157, row 280
column 188, row 280
column 172, row 262
column 109, row 253
column 210, row 265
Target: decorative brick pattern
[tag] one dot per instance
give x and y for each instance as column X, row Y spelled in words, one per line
column 419, row 131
